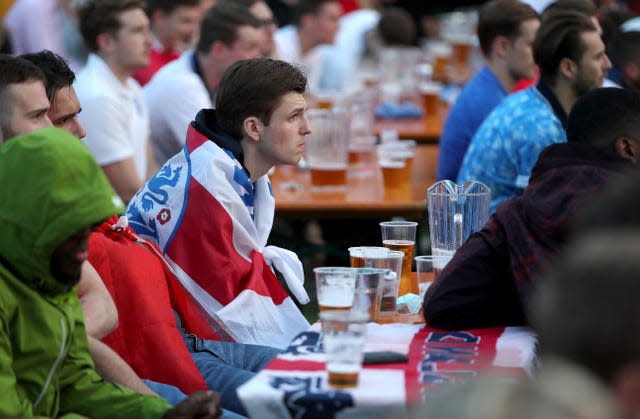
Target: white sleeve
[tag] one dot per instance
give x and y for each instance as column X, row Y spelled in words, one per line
column 107, row 126
column 179, row 103
column 35, row 25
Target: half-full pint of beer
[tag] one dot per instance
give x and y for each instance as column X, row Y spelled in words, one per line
column 344, row 359
column 407, row 282
column 337, row 298
column 356, row 261
column 329, row 174
column 395, row 174
column 357, row 254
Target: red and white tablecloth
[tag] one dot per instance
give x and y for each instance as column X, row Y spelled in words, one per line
column 294, row 385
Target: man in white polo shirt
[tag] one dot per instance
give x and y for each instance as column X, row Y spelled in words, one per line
column 114, row 112
column 315, row 24
column 177, row 92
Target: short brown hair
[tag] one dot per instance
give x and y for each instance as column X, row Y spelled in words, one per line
column 307, row 7
column 586, row 7
column 102, row 16
column 13, row 70
column 55, row 69
column 558, row 37
column 168, row 6
column 502, row 18
column 254, row 88
column 396, row 27
column 221, row 23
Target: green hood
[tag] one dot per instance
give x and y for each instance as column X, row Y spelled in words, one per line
column 51, row 187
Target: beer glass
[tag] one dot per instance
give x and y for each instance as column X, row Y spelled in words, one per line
column 327, row 148
column 365, row 298
column 335, row 288
column 391, row 260
column 401, row 236
column 430, row 95
column 396, row 163
column 455, row 211
column 356, row 254
column 427, row 270
column 343, row 335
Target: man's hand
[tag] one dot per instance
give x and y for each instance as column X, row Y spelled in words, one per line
column 203, row 404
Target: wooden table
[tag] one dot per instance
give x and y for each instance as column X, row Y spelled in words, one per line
column 426, row 129
column 364, row 195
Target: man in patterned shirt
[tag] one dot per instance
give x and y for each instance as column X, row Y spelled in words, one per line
column 572, row 61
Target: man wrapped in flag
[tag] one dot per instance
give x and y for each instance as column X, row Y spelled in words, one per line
column 210, row 208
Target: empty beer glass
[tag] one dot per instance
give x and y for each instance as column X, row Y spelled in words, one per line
column 455, row 211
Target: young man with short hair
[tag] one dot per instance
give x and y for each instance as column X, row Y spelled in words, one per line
column 229, row 32
column 23, row 100
column 114, row 111
column 506, row 30
column 214, row 199
column 315, row 24
column 59, row 79
column 175, row 25
column 261, row 10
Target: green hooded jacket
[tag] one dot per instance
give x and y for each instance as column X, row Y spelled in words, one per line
column 51, row 188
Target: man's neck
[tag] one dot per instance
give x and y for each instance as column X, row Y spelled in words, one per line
column 501, row 71
column 253, row 161
column 210, row 71
column 118, row 70
column 307, row 41
column 565, row 93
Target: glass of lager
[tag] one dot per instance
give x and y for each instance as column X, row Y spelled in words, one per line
column 327, row 148
column 343, row 335
column 335, row 287
column 356, row 254
column 401, row 236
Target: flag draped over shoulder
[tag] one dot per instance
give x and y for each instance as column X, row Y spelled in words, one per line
column 202, row 211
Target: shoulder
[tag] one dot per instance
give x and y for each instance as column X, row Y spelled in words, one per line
column 175, row 77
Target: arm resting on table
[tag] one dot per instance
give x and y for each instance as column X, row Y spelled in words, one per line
column 476, row 289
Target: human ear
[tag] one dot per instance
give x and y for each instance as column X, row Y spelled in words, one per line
column 568, row 68
column 104, row 41
column 629, row 149
column 500, row 45
column 252, row 127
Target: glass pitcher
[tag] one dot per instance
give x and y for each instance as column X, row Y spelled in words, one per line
column 455, row 211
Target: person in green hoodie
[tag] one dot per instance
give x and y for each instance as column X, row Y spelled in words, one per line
column 53, row 194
